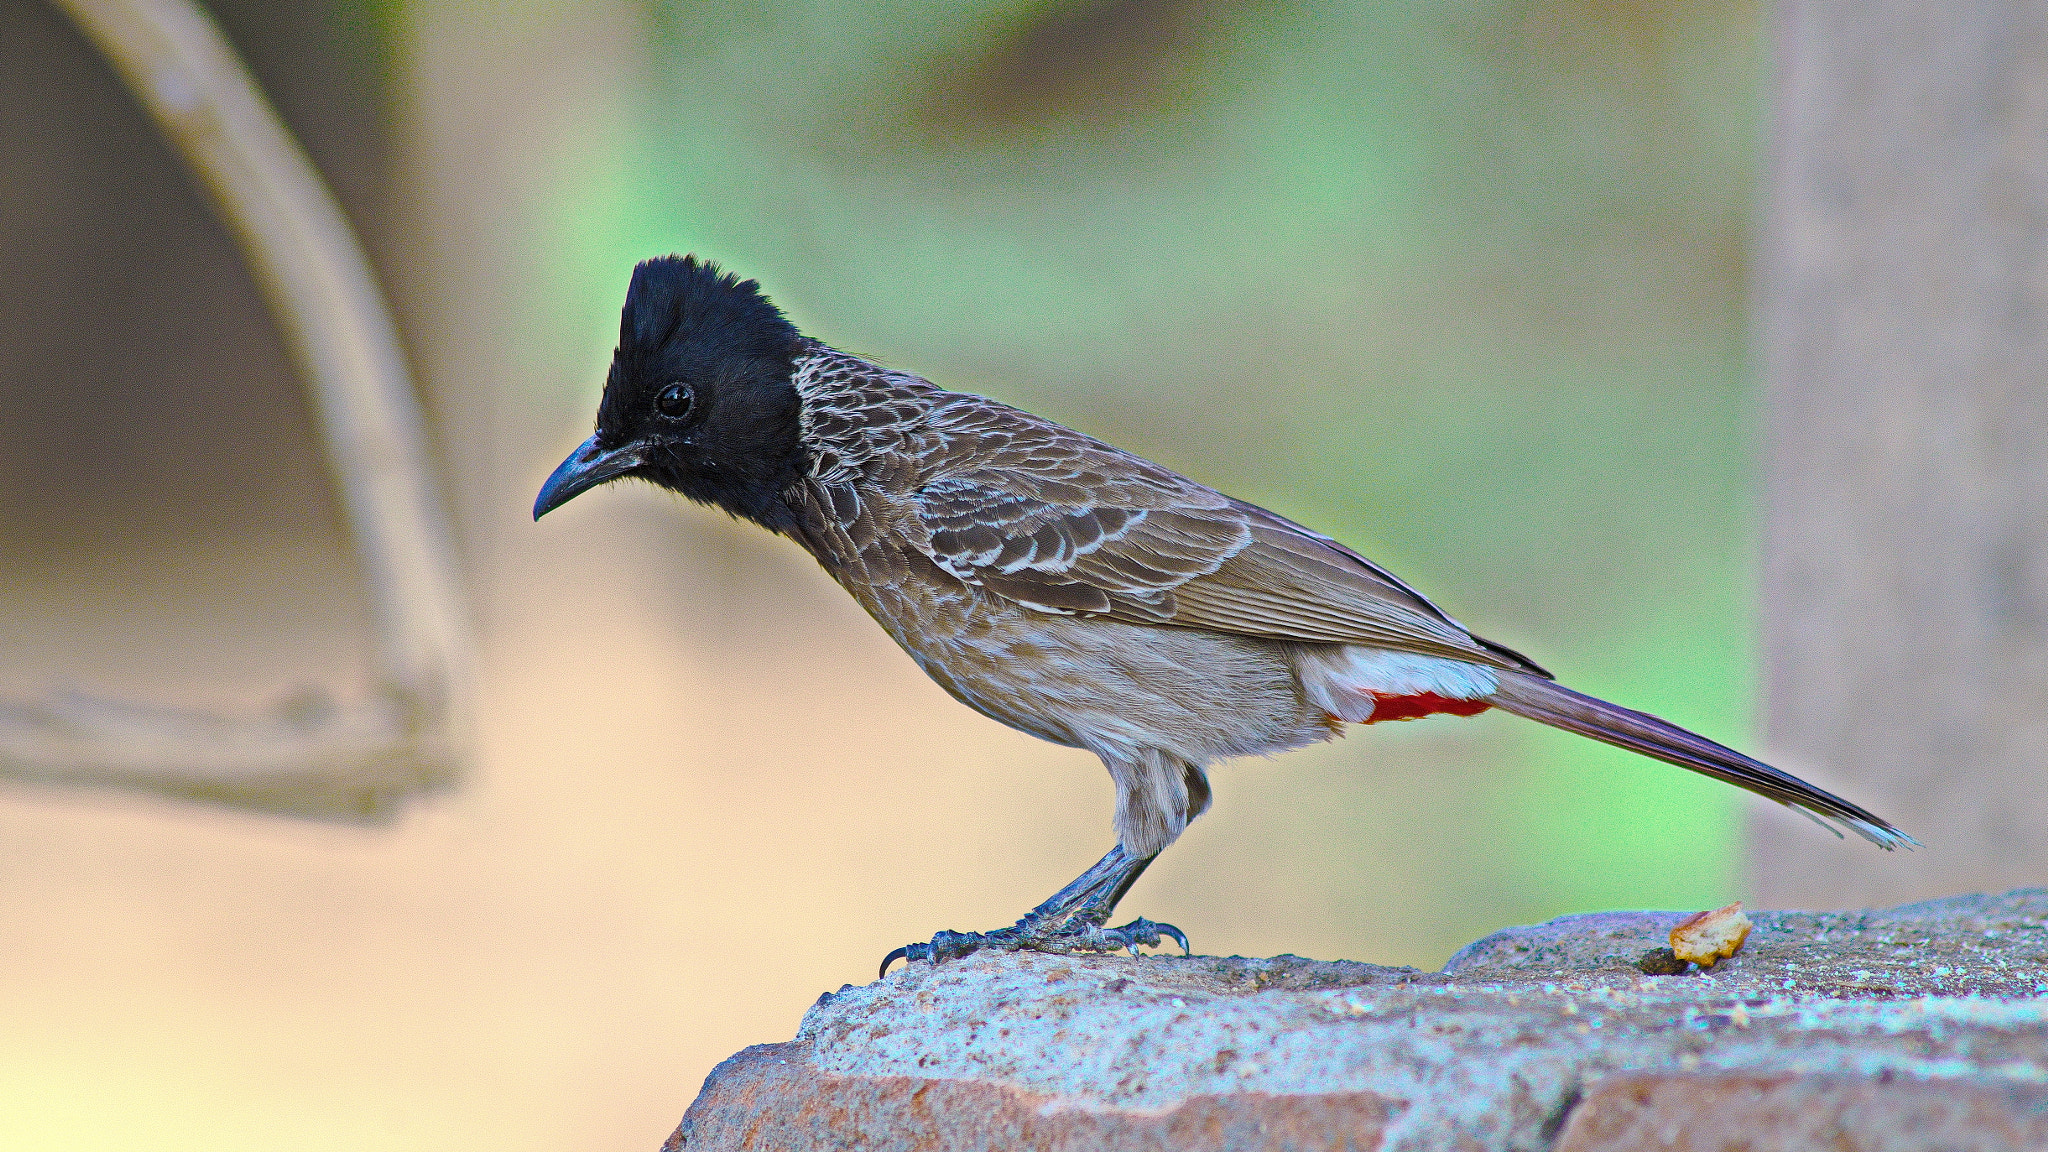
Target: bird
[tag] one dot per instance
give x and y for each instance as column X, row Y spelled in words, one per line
column 1063, row 586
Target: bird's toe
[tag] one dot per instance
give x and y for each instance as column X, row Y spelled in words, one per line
column 1072, row 936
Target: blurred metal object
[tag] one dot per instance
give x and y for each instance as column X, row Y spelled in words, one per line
column 1902, row 310
column 310, row 756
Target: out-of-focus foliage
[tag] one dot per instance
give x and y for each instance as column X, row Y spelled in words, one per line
column 1459, row 283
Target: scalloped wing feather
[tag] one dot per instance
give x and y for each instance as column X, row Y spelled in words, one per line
column 1049, row 518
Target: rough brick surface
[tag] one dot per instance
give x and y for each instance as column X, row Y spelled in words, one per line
column 1927, row 1023
column 1736, row 1112
column 770, row 1097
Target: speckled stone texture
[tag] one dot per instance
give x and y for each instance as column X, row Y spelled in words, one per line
column 1922, row 1027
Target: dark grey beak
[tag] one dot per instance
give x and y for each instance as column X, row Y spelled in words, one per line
column 586, row 468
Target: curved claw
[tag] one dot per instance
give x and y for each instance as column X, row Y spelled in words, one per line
column 1179, row 937
column 1148, row 932
column 1029, row 934
column 944, row 946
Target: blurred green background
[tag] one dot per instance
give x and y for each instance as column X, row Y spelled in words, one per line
column 1462, row 284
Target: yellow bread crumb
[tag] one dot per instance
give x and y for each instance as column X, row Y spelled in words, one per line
column 1707, row 938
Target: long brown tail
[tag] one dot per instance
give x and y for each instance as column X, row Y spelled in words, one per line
column 1560, row 707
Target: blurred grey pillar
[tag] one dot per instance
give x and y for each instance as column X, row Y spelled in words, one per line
column 1904, row 324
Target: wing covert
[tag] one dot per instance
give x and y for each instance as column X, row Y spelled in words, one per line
column 1050, row 518
column 1060, row 522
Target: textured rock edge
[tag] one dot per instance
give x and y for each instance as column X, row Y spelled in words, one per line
column 1767, row 1113
column 771, row 1096
column 1911, row 1028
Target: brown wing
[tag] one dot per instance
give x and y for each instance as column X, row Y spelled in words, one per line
column 1310, row 587
column 1058, row 521
column 1047, row 517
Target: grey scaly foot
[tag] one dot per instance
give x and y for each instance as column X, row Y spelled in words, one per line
column 1071, row 921
column 1026, row 936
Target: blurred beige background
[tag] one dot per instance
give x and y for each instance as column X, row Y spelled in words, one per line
column 1464, row 285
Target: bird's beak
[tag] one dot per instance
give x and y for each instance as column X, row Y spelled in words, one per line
column 586, row 468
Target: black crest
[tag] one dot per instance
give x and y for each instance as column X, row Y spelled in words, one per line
column 685, row 315
column 702, row 389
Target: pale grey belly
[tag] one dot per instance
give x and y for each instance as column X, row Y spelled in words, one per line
column 1121, row 689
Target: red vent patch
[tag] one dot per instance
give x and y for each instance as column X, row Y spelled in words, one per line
column 1421, row 704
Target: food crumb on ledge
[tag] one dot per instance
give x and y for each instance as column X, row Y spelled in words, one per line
column 1707, row 938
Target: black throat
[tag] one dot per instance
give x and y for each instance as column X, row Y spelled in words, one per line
column 752, row 490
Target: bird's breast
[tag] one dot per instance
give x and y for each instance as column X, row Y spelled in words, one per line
column 1086, row 681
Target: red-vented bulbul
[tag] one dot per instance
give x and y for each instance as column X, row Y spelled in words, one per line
column 1063, row 586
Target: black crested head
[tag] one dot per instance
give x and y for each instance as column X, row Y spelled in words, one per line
column 701, row 398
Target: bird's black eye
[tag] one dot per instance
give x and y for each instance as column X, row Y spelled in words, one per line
column 673, row 401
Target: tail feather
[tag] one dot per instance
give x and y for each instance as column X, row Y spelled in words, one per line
column 1560, row 707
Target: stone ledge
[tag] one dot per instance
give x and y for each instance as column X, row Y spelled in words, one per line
column 1919, row 1027
column 1787, row 1113
column 770, row 1096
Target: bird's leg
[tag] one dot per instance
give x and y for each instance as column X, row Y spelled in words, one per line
column 1071, row 921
